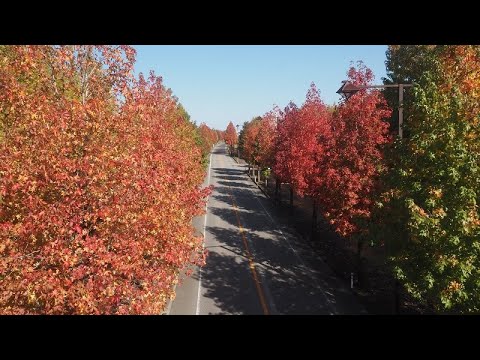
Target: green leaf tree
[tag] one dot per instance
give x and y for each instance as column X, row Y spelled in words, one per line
column 428, row 215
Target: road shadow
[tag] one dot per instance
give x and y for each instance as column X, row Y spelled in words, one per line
column 298, row 281
column 294, row 280
column 219, row 151
column 230, row 177
column 235, row 184
column 374, row 285
column 251, row 218
column 226, row 280
column 288, row 283
column 229, row 172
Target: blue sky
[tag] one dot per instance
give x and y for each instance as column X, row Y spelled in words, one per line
column 222, row 83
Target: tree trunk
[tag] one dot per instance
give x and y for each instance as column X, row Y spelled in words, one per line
column 396, row 294
column 259, row 175
column 291, row 199
column 279, row 192
column 359, row 260
column 276, row 189
column 314, row 219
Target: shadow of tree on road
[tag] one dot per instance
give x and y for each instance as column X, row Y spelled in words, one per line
column 234, row 185
column 230, row 177
column 290, row 282
column 227, row 281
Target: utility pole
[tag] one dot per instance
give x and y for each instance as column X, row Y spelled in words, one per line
column 348, row 89
column 400, row 110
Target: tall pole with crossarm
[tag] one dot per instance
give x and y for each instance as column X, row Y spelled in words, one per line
column 348, row 89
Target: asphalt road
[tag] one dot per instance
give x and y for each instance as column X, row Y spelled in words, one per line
column 255, row 265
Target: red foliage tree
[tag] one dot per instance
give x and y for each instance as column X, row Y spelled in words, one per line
column 220, row 135
column 209, row 135
column 303, row 135
column 283, row 166
column 312, row 138
column 96, row 207
column 303, row 138
column 230, row 136
column 355, row 156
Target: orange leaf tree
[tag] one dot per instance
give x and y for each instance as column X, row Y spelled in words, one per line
column 249, row 140
column 99, row 178
column 208, row 137
column 302, row 139
column 265, row 139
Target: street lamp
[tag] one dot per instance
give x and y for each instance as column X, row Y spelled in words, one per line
column 348, row 89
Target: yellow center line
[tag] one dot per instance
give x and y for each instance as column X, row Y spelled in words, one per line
column 251, row 262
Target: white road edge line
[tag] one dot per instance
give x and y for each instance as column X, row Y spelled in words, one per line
column 197, row 312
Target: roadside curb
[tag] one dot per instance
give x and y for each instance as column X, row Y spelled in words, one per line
column 261, row 189
column 294, row 231
column 170, row 300
column 235, row 159
column 273, row 200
